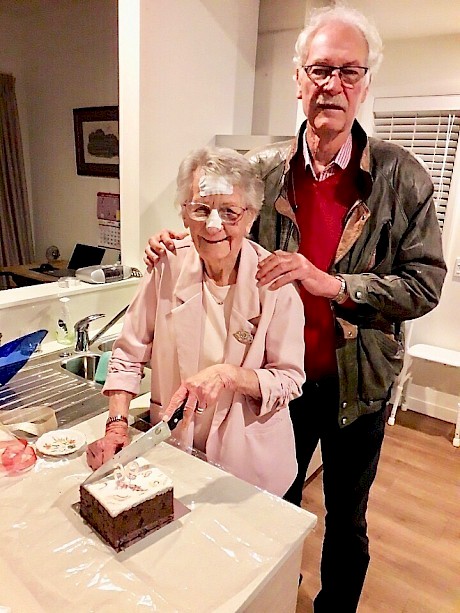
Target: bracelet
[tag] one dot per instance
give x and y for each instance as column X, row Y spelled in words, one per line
column 342, row 294
column 115, row 418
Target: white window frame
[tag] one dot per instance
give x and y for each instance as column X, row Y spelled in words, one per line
column 434, row 104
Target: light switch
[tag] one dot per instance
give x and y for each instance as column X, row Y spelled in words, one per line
column 457, row 267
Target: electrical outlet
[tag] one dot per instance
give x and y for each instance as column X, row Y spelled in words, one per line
column 457, row 267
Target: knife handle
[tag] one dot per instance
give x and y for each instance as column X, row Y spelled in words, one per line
column 177, row 416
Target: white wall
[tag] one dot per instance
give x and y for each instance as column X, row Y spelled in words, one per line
column 64, row 56
column 196, row 79
column 430, row 67
column 275, row 104
column 276, row 110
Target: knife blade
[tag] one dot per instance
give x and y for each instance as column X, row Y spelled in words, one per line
column 155, row 435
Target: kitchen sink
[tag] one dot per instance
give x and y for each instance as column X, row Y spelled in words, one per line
column 106, row 345
column 65, row 382
column 83, row 365
column 43, row 381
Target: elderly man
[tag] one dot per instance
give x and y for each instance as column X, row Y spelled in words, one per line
column 351, row 219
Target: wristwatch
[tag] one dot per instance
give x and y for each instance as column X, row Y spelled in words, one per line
column 111, row 420
column 342, row 294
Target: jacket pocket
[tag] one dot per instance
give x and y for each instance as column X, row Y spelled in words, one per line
column 269, row 452
column 379, row 363
column 381, row 255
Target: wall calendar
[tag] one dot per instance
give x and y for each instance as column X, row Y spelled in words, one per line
column 108, row 214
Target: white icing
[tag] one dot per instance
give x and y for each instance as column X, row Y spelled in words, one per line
column 128, row 486
column 210, row 185
column 214, row 221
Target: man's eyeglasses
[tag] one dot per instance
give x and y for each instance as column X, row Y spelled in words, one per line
column 349, row 75
column 229, row 214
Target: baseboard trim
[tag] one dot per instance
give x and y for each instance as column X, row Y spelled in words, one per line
column 430, row 408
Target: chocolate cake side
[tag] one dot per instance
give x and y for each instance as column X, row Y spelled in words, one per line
column 128, row 503
column 130, row 525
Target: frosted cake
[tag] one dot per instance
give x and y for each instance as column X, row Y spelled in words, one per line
column 128, row 504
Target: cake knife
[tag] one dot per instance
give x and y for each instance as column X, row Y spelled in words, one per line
column 156, row 434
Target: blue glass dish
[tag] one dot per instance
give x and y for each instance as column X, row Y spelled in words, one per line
column 15, row 354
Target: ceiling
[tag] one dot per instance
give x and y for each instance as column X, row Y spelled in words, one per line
column 393, row 18
column 412, row 18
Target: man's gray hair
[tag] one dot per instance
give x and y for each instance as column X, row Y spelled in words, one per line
column 344, row 14
column 221, row 162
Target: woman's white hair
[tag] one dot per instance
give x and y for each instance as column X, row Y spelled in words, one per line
column 221, row 162
column 344, row 14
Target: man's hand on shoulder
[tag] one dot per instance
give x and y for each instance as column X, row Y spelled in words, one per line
column 282, row 267
column 158, row 243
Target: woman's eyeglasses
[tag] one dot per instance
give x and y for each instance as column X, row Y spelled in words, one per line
column 229, row 214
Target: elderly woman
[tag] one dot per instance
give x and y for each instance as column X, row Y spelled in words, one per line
column 232, row 350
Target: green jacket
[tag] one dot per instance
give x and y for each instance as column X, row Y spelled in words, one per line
column 390, row 256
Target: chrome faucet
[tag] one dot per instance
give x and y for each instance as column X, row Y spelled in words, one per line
column 81, row 331
column 111, row 323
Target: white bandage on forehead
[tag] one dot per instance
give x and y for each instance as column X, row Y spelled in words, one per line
column 214, row 221
column 210, row 185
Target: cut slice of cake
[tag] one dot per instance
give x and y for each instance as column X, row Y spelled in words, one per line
column 128, row 504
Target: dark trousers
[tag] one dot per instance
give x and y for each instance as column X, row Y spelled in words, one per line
column 350, row 456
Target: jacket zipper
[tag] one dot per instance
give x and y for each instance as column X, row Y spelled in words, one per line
column 285, row 245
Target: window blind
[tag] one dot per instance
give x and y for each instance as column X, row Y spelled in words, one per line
column 433, row 137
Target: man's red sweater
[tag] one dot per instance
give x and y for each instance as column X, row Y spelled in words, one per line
column 320, row 207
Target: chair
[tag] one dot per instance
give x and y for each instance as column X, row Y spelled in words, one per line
column 431, row 353
column 6, row 280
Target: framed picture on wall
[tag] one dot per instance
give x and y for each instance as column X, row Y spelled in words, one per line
column 97, row 141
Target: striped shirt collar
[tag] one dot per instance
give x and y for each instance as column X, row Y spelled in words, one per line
column 341, row 160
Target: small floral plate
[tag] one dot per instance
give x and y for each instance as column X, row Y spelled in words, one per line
column 60, row 442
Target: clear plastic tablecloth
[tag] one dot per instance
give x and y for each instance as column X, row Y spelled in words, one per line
column 213, row 558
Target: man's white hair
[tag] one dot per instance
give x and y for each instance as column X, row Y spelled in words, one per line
column 344, row 14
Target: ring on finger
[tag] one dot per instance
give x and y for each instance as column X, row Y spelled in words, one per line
column 199, row 409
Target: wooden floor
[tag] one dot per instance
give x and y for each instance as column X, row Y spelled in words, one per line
column 413, row 519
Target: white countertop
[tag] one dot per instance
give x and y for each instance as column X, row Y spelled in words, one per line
column 238, row 548
column 45, row 291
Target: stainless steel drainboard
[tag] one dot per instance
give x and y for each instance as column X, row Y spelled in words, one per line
column 44, row 382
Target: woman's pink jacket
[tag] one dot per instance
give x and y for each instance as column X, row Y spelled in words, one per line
column 252, row 439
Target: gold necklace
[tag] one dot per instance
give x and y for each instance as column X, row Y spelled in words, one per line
column 213, row 291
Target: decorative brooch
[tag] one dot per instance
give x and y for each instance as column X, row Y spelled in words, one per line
column 244, row 337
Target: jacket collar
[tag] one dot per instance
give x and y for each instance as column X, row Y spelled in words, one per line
column 246, row 301
column 359, row 212
column 188, row 282
column 359, row 137
column 187, row 312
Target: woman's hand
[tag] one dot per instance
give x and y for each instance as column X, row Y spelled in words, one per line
column 202, row 390
column 116, row 437
column 158, row 243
